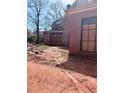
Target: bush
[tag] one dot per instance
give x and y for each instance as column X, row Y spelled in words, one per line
column 31, row 39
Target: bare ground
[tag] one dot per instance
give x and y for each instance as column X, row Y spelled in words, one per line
column 51, row 70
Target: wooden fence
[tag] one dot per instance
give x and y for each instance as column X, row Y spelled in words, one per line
column 53, row 38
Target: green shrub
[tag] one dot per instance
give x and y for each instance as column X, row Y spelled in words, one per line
column 31, row 39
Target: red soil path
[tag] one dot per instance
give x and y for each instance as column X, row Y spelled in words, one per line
column 45, row 79
column 53, row 72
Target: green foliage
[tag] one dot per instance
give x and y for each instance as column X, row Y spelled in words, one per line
column 31, row 39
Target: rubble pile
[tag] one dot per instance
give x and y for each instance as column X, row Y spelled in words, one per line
column 50, row 56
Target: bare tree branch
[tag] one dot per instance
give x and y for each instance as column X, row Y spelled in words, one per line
column 35, row 7
column 55, row 12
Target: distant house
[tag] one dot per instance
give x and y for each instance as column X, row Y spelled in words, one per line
column 54, row 37
column 58, row 25
column 80, row 27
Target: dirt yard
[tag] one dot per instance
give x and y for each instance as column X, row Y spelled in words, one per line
column 52, row 70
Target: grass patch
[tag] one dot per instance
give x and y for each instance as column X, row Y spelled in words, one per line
column 42, row 47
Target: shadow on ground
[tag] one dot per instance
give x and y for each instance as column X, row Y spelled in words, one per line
column 83, row 65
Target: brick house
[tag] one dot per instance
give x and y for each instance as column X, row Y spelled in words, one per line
column 80, row 27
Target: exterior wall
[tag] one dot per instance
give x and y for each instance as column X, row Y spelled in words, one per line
column 66, row 30
column 72, row 25
column 54, row 38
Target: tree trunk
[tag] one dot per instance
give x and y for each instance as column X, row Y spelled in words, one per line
column 37, row 31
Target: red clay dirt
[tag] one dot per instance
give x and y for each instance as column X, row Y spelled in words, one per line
column 53, row 71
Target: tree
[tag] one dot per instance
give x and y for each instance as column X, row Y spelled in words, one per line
column 35, row 8
column 55, row 12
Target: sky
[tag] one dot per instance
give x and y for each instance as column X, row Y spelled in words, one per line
column 68, row 1
column 65, row 2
